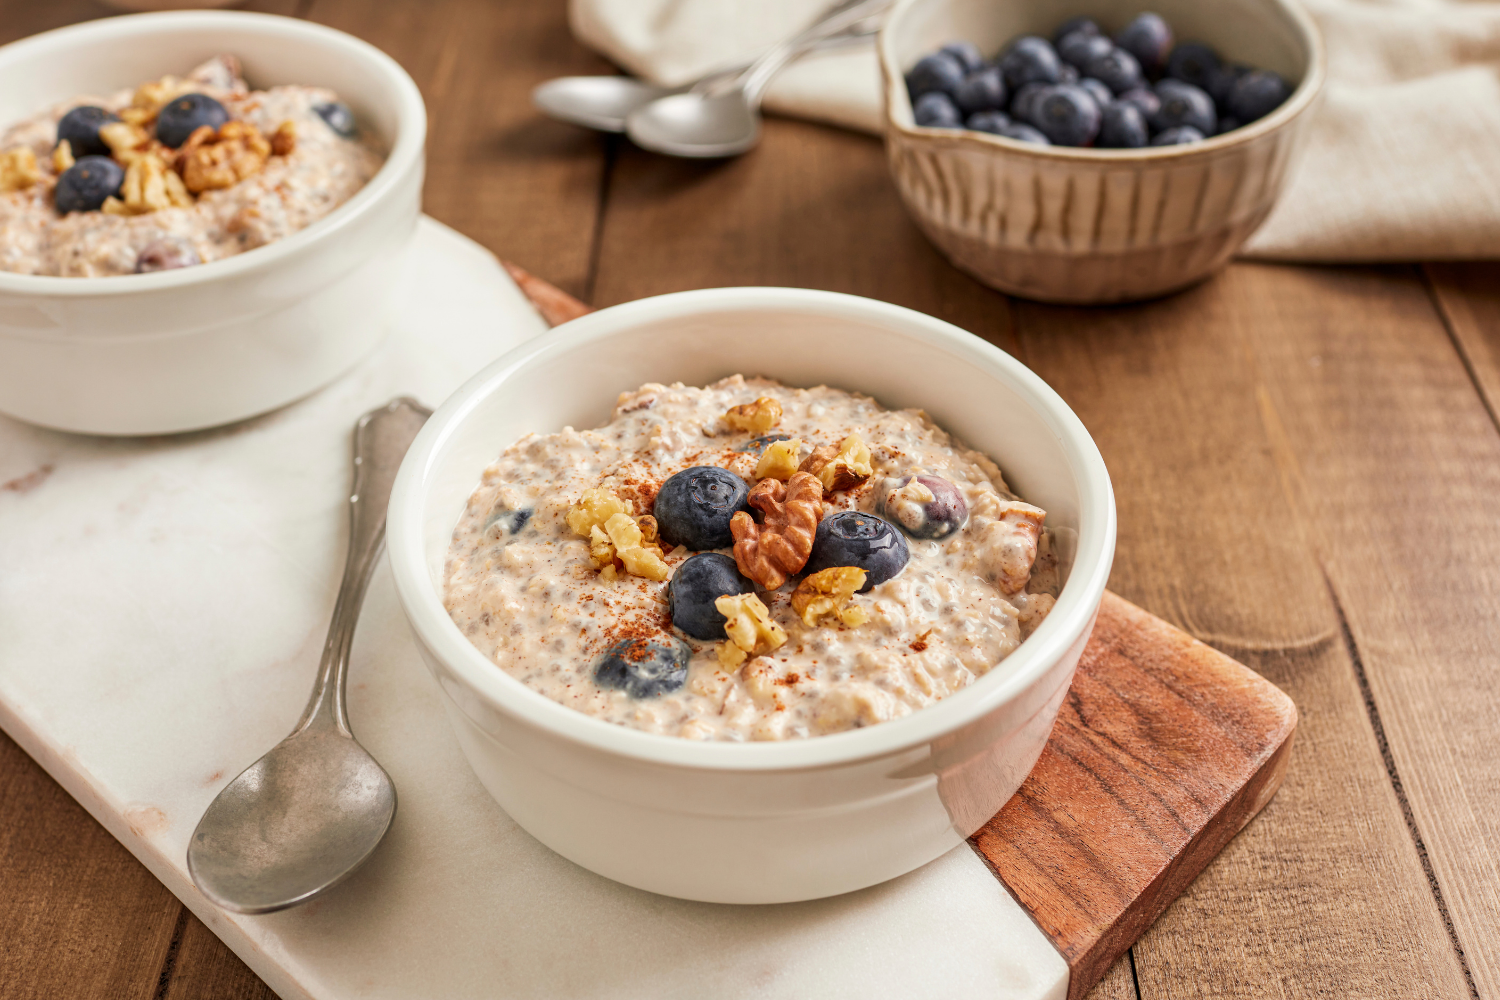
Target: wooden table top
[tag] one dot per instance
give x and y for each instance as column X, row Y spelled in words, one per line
column 1306, row 462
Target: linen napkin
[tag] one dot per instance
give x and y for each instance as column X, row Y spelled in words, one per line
column 1403, row 162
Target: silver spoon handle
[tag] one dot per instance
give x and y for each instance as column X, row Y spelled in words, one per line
column 381, row 439
column 839, row 18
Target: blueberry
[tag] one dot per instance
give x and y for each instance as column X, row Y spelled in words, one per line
column 1087, row 25
column 967, row 55
column 1068, row 74
column 1023, row 102
column 982, row 91
column 183, row 116
column 1257, row 94
column 1080, row 48
column 1024, row 133
column 644, row 668
column 696, row 584
column 758, row 446
column 1183, row 104
column 339, row 118
column 168, row 254
column 1143, row 98
column 1222, row 80
column 1149, row 39
column 854, row 538
column 1122, row 126
column 80, row 127
column 1030, row 59
column 937, row 110
column 693, row 507
column 1227, row 123
column 84, row 186
column 1177, row 136
column 1098, row 91
column 1195, row 63
column 512, row 520
column 1066, row 115
column 937, row 518
column 938, row 72
column 1117, row 70
column 988, row 121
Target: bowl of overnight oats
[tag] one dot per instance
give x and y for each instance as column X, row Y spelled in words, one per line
column 752, row 595
column 202, row 216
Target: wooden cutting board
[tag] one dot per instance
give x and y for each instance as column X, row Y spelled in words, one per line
column 1163, row 751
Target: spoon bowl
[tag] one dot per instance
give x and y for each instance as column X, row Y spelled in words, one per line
column 698, row 126
column 597, row 102
column 294, row 823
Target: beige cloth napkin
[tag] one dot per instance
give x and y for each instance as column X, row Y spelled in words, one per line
column 1403, row 162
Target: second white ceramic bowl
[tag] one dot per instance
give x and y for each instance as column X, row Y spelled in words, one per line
column 206, row 345
column 756, row 823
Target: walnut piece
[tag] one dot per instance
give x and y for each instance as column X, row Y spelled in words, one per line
column 62, row 156
column 849, row 467
column 211, row 160
column 150, row 98
column 594, row 508
column 829, row 594
column 125, row 141
column 1008, row 544
column 640, row 559
column 18, row 169
column 284, row 139
column 750, row 628
column 770, row 552
column 617, row 539
column 757, row 417
column 149, row 186
column 779, row 460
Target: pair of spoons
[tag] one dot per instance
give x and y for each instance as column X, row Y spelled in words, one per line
column 716, row 116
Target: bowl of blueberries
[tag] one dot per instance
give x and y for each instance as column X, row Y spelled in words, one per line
column 1094, row 152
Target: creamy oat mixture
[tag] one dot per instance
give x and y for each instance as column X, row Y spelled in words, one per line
column 536, row 586
column 289, row 169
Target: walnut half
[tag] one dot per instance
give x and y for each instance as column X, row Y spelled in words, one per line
column 842, row 469
column 770, row 552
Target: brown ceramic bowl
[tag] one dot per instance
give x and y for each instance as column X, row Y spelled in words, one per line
column 1096, row 225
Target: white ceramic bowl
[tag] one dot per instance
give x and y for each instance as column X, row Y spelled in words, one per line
column 206, row 345
column 1096, row 225
column 761, row 822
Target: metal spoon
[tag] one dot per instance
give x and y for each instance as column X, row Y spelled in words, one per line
column 604, row 102
column 724, row 120
column 310, row 811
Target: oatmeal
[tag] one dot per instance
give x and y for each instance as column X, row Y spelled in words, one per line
column 748, row 561
column 173, row 173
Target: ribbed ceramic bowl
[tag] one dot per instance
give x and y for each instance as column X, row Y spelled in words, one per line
column 756, row 822
column 1096, row 225
column 200, row 346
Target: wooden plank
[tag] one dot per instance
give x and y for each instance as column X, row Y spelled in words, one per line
column 1118, row 983
column 1468, row 296
column 82, row 918
column 1163, row 751
column 1326, row 893
column 524, row 186
column 205, row 969
column 1397, row 463
column 1207, row 539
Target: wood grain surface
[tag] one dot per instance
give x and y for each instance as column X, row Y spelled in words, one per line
column 1304, row 460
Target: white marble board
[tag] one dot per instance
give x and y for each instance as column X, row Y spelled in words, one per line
column 163, row 602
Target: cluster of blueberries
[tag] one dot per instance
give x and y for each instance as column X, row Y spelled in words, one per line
column 1085, row 89
column 694, row 508
column 94, row 176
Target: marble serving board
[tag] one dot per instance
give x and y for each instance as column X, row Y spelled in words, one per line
column 163, row 602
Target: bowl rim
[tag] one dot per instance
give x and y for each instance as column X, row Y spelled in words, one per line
column 1070, row 618
column 405, row 151
column 1302, row 98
